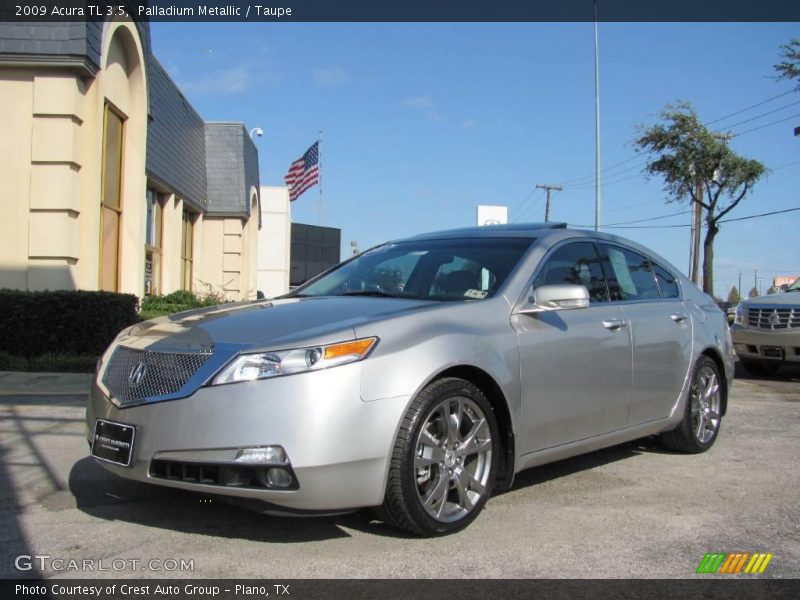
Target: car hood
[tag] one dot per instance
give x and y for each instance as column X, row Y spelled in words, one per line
column 784, row 299
column 265, row 325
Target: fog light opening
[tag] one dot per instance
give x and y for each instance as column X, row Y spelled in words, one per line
column 279, row 478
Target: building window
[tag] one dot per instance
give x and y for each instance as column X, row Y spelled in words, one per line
column 187, row 250
column 153, row 243
column 111, row 199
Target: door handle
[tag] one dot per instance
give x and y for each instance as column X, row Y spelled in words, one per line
column 679, row 317
column 614, row 324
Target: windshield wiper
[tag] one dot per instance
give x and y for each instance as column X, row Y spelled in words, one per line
column 375, row 293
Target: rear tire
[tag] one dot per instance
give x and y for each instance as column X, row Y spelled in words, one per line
column 760, row 369
column 702, row 416
column 444, row 462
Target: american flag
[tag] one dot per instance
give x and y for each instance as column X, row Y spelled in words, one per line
column 303, row 173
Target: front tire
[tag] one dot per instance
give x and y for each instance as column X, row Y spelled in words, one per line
column 702, row 418
column 443, row 466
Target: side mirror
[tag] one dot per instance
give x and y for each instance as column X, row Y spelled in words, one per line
column 557, row 297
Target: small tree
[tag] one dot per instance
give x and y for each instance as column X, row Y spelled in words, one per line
column 733, row 296
column 789, row 68
column 698, row 167
column 752, row 293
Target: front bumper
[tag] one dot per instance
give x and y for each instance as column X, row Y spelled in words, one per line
column 750, row 344
column 338, row 445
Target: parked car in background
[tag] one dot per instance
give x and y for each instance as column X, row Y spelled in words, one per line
column 418, row 376
column 766, row 332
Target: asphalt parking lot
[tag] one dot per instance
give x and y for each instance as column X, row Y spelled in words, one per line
column 635, row 510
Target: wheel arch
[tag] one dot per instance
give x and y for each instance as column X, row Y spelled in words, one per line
column 494, row 393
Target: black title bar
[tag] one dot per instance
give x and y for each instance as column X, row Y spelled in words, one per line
column 255, row 11
column 710, row 588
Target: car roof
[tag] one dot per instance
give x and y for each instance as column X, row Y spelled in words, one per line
column 520, row 230
column 552, row 232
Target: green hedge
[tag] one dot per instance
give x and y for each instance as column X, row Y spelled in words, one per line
column 34, row 324
column 157, row 306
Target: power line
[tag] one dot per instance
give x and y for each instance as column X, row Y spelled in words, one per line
column 767, row 214
column 767, row 125
column 758, row 216
column 589, row 178
column 771, row 112
column 683, row 212
column 791, row 164
column 520, row 213
column 519, row 206
column 738, row 112
column 592, row 175
column 612, row 182
column 590, row 182
column 617, row 209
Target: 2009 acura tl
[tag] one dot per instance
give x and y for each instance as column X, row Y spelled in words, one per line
column 418, row 376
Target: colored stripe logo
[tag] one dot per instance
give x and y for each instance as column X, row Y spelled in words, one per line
column 734, row 563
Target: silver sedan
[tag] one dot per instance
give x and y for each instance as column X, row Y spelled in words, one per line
column 418, row 376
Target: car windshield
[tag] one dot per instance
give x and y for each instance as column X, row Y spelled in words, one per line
column 445, row 270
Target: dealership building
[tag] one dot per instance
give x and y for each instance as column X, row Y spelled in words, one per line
column 111, row 180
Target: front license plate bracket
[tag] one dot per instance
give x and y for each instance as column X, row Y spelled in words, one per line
column 113, row 442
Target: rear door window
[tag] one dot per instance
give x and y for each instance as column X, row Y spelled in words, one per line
column 630, row 274
column 667, row 283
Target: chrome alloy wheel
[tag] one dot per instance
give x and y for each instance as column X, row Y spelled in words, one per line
column 453, row 459
column 706, row 401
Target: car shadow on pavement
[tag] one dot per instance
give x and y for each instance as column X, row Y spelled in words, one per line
column 584, row 462
column 102, row 494
column 786, row 373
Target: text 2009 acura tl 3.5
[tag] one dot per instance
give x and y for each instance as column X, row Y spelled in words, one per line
column 418, row 376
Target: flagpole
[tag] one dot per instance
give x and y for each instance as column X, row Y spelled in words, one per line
column 319, row 151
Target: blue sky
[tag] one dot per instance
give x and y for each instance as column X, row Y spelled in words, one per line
column 423, row 122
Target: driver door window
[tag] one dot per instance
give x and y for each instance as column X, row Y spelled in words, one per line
column 576, row 264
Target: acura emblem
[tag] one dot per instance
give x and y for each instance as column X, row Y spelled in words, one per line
column 137, row 375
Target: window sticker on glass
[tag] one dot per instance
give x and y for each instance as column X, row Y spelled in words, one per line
column 623, row 275
column 477, row 294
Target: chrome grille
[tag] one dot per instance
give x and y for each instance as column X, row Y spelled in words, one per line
column 773, row 318
column 164, row 373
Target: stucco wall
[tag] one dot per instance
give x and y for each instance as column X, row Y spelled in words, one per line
column 274, row 242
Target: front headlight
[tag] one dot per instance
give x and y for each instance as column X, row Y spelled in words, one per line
column 741, row 315
column 248, row 367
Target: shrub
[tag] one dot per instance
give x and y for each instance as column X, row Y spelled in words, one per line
column 64, row 363
column 62, row 322
column 9, row 362
column 157, row 306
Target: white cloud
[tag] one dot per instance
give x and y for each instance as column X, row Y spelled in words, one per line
column 330, row 77
column 469, row 124
column 228, row 81
column 425, row 105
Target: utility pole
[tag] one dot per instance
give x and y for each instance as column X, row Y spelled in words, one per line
column 697, row 226
column 596, row 124
column 697, row 217
column 548, row 188
column 740, row 285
